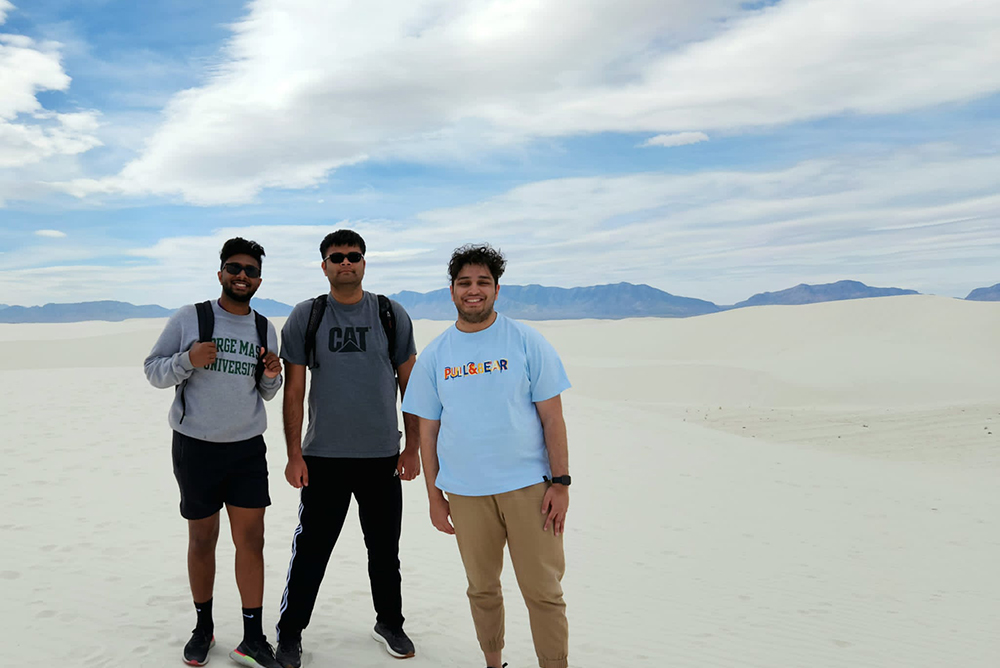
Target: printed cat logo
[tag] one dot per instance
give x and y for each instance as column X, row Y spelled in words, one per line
column 349, row 339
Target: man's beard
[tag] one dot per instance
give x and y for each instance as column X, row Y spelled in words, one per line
column 345, row 280
column 475, row 318
column 243, row 299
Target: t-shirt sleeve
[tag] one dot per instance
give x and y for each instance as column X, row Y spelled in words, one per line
column 421, row 397
column 545, row 370
column 405, row 346
column 293, row 335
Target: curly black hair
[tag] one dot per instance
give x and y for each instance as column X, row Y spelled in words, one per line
column 341, row 238
column 483, row 254
column 241, row 246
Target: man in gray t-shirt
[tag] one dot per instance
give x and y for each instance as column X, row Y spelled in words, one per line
column 357, row 359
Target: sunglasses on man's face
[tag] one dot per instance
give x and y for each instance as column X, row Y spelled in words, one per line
column 235, row 268
column 354, row 257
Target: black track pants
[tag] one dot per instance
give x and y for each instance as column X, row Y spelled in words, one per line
column 322, row 510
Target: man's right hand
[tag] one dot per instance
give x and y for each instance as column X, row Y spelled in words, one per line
column 202, row 354
column 296, row 472
column 440, row 512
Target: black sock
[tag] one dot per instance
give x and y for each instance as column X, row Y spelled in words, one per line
column 205, row 622
column 252, row 629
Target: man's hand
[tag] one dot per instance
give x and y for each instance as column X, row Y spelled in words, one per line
column 202, row 354
column 440, row 512
column 296, row 472
column 554, row 507
column 272, row 365
column 408, row 466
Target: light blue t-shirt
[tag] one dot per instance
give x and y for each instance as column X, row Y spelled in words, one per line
column 483, row 386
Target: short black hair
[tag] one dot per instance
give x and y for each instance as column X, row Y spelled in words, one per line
column 483, row 254
column 341, row 238
column 241, row 246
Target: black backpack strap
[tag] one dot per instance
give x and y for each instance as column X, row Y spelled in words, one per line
column 206, row 321
column 388, row 318
column 206, row 327
column 312, row 327
column 261, row 324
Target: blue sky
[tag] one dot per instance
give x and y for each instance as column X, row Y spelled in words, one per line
column 709, row 148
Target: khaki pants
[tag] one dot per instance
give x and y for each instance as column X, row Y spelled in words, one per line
column 482, row 525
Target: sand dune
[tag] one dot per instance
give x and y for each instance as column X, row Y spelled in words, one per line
column 769, row 487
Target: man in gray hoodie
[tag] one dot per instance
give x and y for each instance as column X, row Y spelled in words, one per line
column 218, row 421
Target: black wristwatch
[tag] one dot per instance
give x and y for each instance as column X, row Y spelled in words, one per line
column 558, row 479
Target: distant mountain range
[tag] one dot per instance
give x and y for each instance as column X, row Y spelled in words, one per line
column 111, row 310
column 271, row 308
column 525, row 302
column 536, row 302
column 990, row 294
column 829, row 292
column 104, row 310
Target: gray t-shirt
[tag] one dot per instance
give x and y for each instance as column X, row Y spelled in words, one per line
column 223, row 404
column 352, row 393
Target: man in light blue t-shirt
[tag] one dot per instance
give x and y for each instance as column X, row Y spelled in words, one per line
column 492, row 437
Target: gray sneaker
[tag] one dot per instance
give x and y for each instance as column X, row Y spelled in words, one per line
column 395, row 640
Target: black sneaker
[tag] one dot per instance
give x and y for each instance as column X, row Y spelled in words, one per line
column 289, row 653
column 255, row 653
column 196, row 649
column 395, row 640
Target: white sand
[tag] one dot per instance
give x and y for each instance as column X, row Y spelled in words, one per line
column 783, row 486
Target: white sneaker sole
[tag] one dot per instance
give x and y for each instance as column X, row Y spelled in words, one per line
column 391, row 651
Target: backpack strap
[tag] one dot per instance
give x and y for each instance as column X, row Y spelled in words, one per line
column 385, row 315
column 315, row 316
column 388, row 318
column 261, row 323
column 206, row 321
column 206, row 327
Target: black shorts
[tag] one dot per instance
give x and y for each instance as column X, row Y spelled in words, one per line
column 212, row 474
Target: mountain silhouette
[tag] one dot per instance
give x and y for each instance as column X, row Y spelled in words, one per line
column 537, row 302
column 990, row 294
column 827, row 292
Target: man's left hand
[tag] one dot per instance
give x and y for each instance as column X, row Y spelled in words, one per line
column 554, row 507
column 272, row 365
column 408, row 467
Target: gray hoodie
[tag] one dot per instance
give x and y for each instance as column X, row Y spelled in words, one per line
column 222, row 402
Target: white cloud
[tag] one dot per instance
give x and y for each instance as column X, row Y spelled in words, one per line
column 924, row 218
column 51, row 234
column 30, row 134
column 311, row 85
column 679, row 139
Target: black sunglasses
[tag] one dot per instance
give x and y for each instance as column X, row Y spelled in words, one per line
column 235, row 268
column 353, row 256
